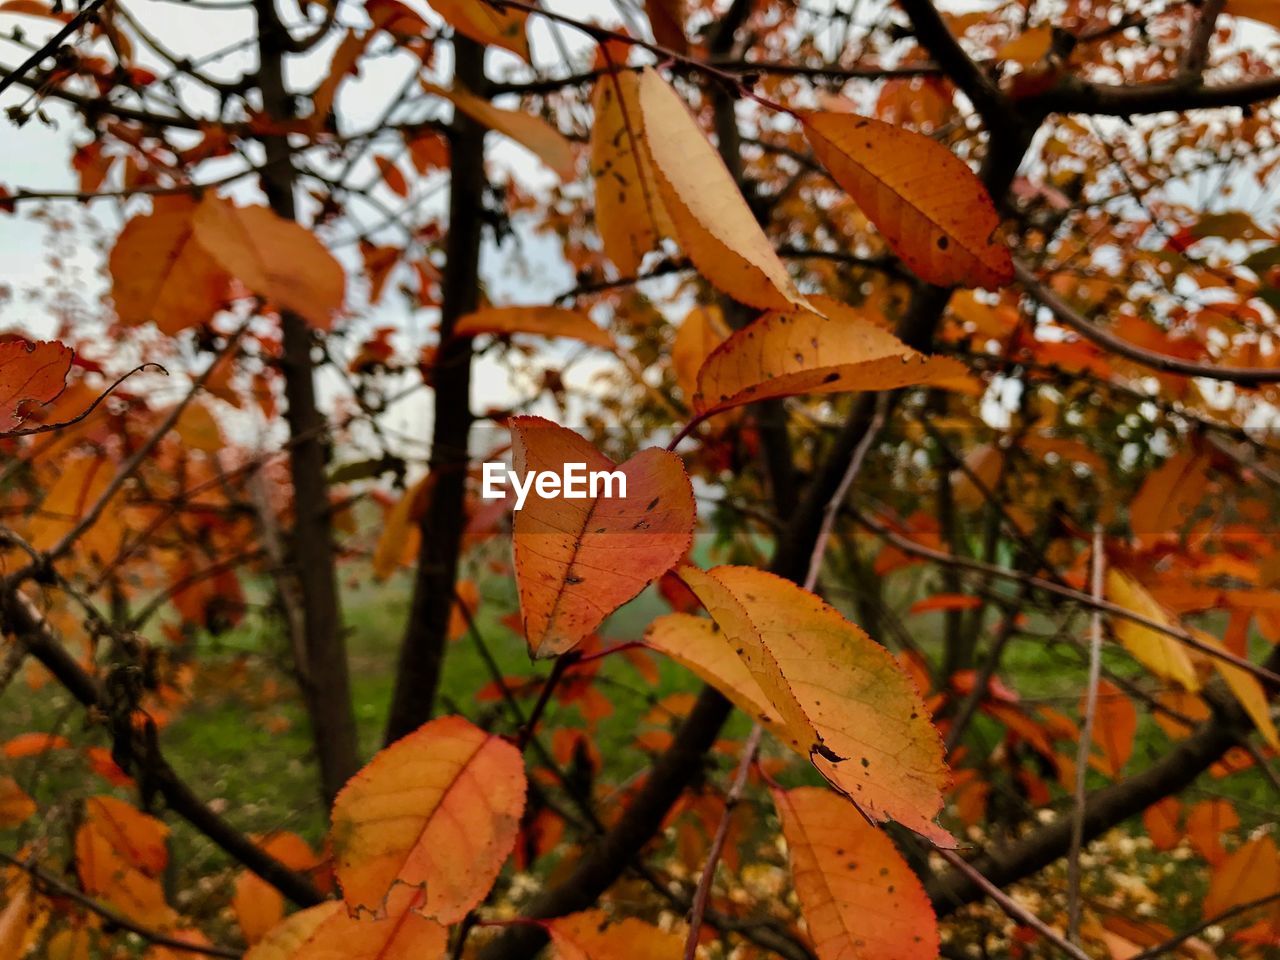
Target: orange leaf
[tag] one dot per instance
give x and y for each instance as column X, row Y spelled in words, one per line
column 344, row 64
column 487, row 24
column 946, row 601
column 860, row 898
column 802, row 352
column 429, row 151
column 31, row 374
column 1264, row 11
column 533, row 133
column 395, row 932
column 106, row 864
column 578, row 560
column 140, row 839
column 438, row 809
column 1252, row 872
column 629, row 212
column 258, row 906
column 930, row 207
column 161, row 274
column 1114, row 723
column 841, row 696
column 34, row 744
column 392, row 176
column 1207, row 821
column 666, row 18
column 82, row 480
column 590, row 936
column 16, row 806
column 543, row 321
column 1168, row 495
column 275, row 258
column 712, row 221
column 284, row 941
column 1161, row 821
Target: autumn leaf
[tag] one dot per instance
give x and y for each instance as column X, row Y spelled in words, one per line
column 487, row 23
column 591, row 936
column 161, row 274
column 111, row 865
column 630, row 217
column 1160, row 653
column 1162, row 822
column 927, row 204
column 1263, row 11
column 801, row 352
column 275, row 258
column 1115, row 722
column 543, row 321
column 666, row 18
column 438, row 809
column 392, row 176
column 16, row 805
column 32, row 373
column 841, row 696
column 82, row 481
column 702, row 330
column 343, row 65
column 399, row 534
column 287, row 937
column 860, row 898
column 1250, row 873
column 578, row 560
column 397, row 930
column 1169, row 495
column 1207, row 823
column 533, row 133
column 712, row 221
column 258, row 906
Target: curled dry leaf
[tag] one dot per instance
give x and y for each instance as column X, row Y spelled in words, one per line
column 543, row 321
column 533, row 133
column 31, row 374
column 590, row 936
column 1160, row 653
column 711, row 219
column 578, row 560
column 630, row 216
column 161, row 274
column 838, row 694
column 437, row 810
column 860, row 898
column 927, row 204
column 802, row 352
column 275, row 258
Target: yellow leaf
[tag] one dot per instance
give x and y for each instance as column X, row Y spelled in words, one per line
column 533, row 133
column 486, row 23
column 275, row 258
column 1029, row 47
column 700, row 645
column 399, row 533
column 701, row 332
column 1246, row 688
column 543, row 321
column 437, row 810
column 712, row 221
column 629, row 212
column 283, row 941
column 1160, row 653
column 160, row 274
column 579, row 559
column 836, row 688
column 802, row 352
column 930, row 207
column 590, row 936
column 860, row 898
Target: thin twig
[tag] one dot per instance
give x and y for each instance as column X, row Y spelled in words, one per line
column 1011, row 907
column 1084, row 749
column 52, row 47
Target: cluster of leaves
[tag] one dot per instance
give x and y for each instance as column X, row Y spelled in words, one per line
column 866, row 304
